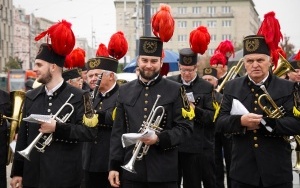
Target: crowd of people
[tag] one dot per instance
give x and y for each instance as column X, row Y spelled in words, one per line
column 186, row 125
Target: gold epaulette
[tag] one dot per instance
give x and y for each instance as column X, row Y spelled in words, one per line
column 90, row 122
column 114, row 114
column 296, row 112
column 217, row 110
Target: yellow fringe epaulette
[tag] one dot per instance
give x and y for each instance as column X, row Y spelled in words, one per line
column 189, row 114
column 296, row 112
column 90, row 122
column 217, row 110
column 113, row 116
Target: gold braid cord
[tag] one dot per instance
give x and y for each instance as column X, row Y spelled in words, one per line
column 296, row 102
column 90, row 119
column 187, row 111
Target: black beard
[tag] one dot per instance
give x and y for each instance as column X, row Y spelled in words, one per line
column 143, row 75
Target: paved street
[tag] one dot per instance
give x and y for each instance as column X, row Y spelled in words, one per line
column 296, row 180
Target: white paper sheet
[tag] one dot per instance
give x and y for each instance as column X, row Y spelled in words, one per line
column 131, row 138
column 38, row 118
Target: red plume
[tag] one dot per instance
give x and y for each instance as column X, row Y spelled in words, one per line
column 281, row 52
column 226, row 48
column 163, row 23
column 199, row 40
column 218, row 58
column 102, row 51
column 270, row 29
column 297, row 56
column 61, row 36
column 68, row 62
column 78, row 57
column 117, row 46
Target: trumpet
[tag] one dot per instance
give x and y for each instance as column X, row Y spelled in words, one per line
column 40, row 146
column 277, row 112
column 283, row 67
column 231, row 74
column 140, row 149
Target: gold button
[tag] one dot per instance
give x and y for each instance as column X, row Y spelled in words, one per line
column 147, row 88
column 255, row 102
column 249, row 83
column 145, row 109
column 255, row 138
column 252, row 90
column 146, row 94
column 255, row 109
column 100, row 102
column 100, row 108
column 256, row 95
column 146, row 102
column 254, row 131
column 256, row 145
column 145, row 116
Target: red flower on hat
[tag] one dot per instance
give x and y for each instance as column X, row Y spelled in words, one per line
column 218, row 58
column 61, row 36
column 117, row 46
column 163, row 23
column 199, row 40
column 270, row 29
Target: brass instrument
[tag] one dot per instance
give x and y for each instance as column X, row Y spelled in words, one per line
column 40, row 146
column 277, row 112
column 147, row 125
column 231, row 74
column 17, row 98
column 283, row 67
column 96, row 89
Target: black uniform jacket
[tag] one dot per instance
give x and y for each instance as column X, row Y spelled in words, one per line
column 61, row 163
column 203, row 134
column 259, row 154
column 95, row 154
column 5, row 109
column 134, row 104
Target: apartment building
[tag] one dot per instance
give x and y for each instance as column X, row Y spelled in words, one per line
column 224, row 19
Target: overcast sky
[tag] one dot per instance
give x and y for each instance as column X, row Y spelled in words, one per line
column 99, row 15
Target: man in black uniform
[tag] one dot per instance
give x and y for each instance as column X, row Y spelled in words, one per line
column 5, row 109
column 60, row 164
column 134, row 104
column 95, row 154
column 196, row 153
column 261, row 157
column 73, row 77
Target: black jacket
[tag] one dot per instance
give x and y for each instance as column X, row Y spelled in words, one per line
column 134, row 104
column 259, row 154
column 61, row 163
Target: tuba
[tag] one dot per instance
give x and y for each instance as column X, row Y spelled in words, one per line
column 17, row 98
column 231, row 74
column 140, row 149
column 283, row 67
column 40, row 146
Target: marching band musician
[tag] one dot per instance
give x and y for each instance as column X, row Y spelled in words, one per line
column 96, row 154
column 73, row 77
column 136, row 101
column 60, row 164
column 5, row 109
column 261, row 157
column 196, row 161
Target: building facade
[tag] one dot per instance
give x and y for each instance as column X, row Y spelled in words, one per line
column 6, row 32
column 224, row 19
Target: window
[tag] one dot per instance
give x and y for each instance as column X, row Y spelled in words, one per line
column 182, row 24
column 196, row 24
column 181, row 10
column 226, row 9
column 226, row 23
column 213, row 38
column 210, row 51
column 226, row 37
column 211, row 24
column 182, row 38
column 211, row 10
column 153, row 10
column 196, row 10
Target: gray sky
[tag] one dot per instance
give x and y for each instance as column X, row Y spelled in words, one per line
column 99, row 15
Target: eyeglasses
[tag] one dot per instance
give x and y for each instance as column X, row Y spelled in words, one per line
column 187, row 70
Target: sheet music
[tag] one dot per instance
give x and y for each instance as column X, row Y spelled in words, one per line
column 131, row 138
column 38, row 118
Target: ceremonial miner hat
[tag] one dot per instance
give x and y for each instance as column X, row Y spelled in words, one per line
column 187, row 57
column 295, row 60
column 210, row 71
column 62, row 43
column 150, row 46
column 71, row 74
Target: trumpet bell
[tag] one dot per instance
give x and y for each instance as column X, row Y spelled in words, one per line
column 25, row 153
column 129, row 167
column 283, row 67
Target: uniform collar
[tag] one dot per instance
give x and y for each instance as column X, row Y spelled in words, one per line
column 51, row 91
column 151, row 82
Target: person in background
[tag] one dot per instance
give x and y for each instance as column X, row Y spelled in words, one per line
column 210, row 75
column 73, row 77
column 96, row 154
column 5, row 110
column 59, row 164
column 196, row 160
